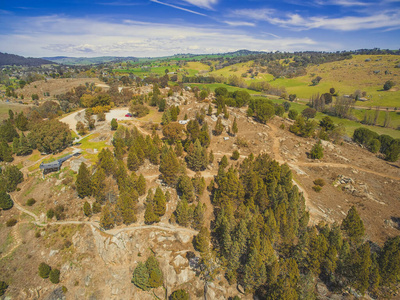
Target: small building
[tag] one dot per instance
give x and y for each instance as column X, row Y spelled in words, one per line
column 55, row 166
column 183, row 122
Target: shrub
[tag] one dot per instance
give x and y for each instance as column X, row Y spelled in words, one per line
column 30, row 201
column 293, row 114
column 179, row 295
column 317, row 151
column 5, row 201
column 235, row 155
column 50, row 213
column 317, row 188
column 114, row 124
column 54, row 276
column 96, row 207
column 374, row 145
column 309, row 113
column 37, row 234
column 3, row 287
column 44, row 270
column 319, row 182
column 388, row 85
column 11, row 222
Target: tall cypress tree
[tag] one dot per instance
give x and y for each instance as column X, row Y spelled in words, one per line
column 197, row 157
column 155, row 274
column 83, row 182
column 169, row 167
column 141, row 185
column 353, row 225
column 159, row 202
column 133, row 161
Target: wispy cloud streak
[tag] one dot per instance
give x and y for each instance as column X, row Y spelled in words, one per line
column 178, row 7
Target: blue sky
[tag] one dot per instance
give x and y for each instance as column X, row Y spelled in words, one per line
column 145, row 28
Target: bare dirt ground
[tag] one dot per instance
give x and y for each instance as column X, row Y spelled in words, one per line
column 55, row 87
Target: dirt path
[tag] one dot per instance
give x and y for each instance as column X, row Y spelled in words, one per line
column 71, row 121
column 346, row 166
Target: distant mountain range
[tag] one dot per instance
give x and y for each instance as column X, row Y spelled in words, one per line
column 16, row 60
column 65, row 60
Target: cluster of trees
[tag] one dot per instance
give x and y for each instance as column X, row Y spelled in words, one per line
column 148, row 275
column 110, row 167
column 237, row 98
column 45, row 271
column 261, row 238
column 188, row 213
column 374, row 142
column 156, row 206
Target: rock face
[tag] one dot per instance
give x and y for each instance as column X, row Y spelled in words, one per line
column 107, row 263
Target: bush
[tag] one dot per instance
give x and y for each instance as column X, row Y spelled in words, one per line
column 179, row 295
column 388, row 85
column 3, row 287
column 309, row 113
column 11, row 222
column 293, row 114
column 319, row 182
column 374, row 146
column 50, row 213
column 5, row 201
column 54, row 276
column 30, row 201
column 114, row 124
column 317, row 188
column 235, row 155
column 44, row 270
column 317, row 151
column 96, row 207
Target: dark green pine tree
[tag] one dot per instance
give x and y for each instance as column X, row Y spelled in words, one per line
column 169, row 167
column 201, row 241
column 149, row 216
column 133, row 161
column 141, row 277
column 141, row 185
column 44, row 270
column 218, row 127
column 185, row 188
column 155, row 274
column 182, row 213
column 83, row 182
column 87, row 210
column 198, row 216
column 255, row 273
column 6, row 152
column 353, row 225
column 5, row 201
column 389, row 262
column 126, row 206
column 107, row 218
column 159, row 203
column 197, row 158
column 235, row 128
column 24, row 147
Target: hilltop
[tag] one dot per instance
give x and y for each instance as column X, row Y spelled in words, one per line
column 16, row 60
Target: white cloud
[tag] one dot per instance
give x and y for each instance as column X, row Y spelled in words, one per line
column 384, row 19
column 238, row 23
column 178, row 7
column 55, row 35
column 208, row 4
